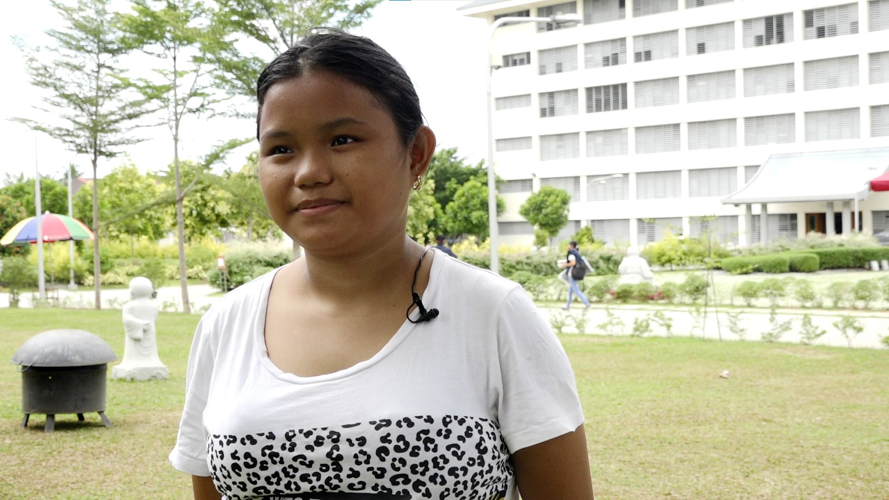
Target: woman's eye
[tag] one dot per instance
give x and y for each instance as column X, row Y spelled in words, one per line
column 279, row 150
column 342, row 141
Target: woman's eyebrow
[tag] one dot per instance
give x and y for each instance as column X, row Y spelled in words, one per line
column 339, row 122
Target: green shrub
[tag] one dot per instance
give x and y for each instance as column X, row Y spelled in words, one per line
column 154, row 270
column 661, row 319
column 803, row 262
column 776, row 263
column 809, row 333
column 773, row 289
column 839, row 292
column 866, row 291
column 849, row 328
column 601, row 288
column 804, row 292
column 695, row 287
column 777, row 329
column 644, row 292
column 670, row 291
column 249, row 261
column 734, row 325
column 17, row 274
column 849, row 258
column 747, row 290
column 625, row 292
column 641, row 326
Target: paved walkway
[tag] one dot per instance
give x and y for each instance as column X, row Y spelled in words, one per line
column 169, row 298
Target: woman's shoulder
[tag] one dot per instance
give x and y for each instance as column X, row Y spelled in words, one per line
column 248, row 296
column 457, row 275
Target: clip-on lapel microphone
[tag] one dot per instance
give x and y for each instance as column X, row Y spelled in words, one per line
column 424, row 314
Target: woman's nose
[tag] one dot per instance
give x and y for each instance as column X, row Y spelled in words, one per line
column 312, row 169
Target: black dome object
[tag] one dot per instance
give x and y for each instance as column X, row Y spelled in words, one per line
column 64, row 348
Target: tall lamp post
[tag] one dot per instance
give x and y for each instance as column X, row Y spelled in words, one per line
column 558, row 19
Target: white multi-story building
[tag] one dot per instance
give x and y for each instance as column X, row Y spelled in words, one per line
column 651, row 113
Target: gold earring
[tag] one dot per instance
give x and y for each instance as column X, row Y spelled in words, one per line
column 418, row 183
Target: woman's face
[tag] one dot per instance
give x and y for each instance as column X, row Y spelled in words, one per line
column 332, row 168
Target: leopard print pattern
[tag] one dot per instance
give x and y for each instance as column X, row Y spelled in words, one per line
column 448, row 457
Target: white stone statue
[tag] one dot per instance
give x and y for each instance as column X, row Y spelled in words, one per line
column 140, row 361
column 634, row 269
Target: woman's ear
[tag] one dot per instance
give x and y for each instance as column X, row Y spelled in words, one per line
column 421, row 150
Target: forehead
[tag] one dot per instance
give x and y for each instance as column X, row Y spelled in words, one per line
column 319, row 95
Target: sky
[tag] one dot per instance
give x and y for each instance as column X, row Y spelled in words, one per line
column 442, row 50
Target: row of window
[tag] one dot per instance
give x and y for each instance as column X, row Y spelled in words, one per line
column 827, row 125
column 769, row 30
column 821, row 74
column 617, row 231
column 819, row 23
column 702, row 183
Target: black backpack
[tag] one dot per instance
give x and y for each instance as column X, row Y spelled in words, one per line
column 580, row 269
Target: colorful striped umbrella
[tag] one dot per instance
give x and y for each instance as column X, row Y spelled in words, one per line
column 55, row 228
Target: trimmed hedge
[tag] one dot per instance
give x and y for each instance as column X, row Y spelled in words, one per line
column 803, row 262
column 849, row 258
column 777, row 263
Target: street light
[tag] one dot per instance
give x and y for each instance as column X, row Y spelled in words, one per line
column 558, row 19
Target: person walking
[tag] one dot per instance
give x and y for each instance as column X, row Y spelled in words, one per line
column 574, row 259
column 440, row 246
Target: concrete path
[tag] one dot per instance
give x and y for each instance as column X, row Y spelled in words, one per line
column 169, row 298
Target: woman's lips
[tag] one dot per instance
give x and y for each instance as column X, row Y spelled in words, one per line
column 317, row 208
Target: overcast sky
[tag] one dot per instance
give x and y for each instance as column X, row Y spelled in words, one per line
column 442, row 50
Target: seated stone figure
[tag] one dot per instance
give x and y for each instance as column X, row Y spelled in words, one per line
column 634, row 269
column 140, row 361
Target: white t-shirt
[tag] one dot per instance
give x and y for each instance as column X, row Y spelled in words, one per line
column 434, row 414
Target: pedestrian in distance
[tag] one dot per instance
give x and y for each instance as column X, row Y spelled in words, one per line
column 577, row 269
column 440, row 245
column 370, row 367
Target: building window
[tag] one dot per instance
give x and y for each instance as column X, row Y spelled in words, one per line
column 749, row 172
column 512, row 102
column 712, row 182
column 879, row 67
column 649, row 7
column 567, row 232
column 561, row 103
column 570, row 185
column 781, row 226
column 652, row 230
column 713, row 134
column 513, row 144
column 607, row 143
column 879, row 121
column 604, row 54
column 663, row 92
column 831, row 73
column 773, row 129
column 709, row 39
column 559, row 147
column 520, row 13
column 562, row 8
column 604, row 188
column 656, row 185
column 690, row 4
column 657, row 139
column 520, row 59
column 723, row 229
column 515, row 186
column 711, row 86
column 558, row 60
column 769, row 30
column 830, row 21
column 515, row 228
column 880, row 220
column 656, row 46
column 879, row 14
column 602, row 11
column 833, row 125
column 768, row 80
column 606, row 98
column 611, row 232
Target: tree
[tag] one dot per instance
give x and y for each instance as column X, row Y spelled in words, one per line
column 11, row 212
column 450, row 172
column 422, row 211
column 547, row 209
column 275, row 25
column 128, row 205
column 468, row 212
column 53, row 195
column 205, row 204
column 247, row 210
column 86, row 91
column 176, row 32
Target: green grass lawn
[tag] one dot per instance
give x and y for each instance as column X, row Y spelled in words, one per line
column 791, row 421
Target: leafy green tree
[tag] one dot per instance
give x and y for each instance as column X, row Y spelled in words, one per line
column 547, row 209
column 177, row 33
column 252, row 32
column 128, row 206
column 89, row 108
column 247, row 210
column 53, row 194
column 204, row 204
column 421, row 213
column 11, row 212
column 450, row 172
column 468, row 212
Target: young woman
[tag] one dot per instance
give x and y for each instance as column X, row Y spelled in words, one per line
column 311, row 383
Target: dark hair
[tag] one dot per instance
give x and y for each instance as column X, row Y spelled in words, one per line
column 573, row 243
column 357, row 59
column 439, row 237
